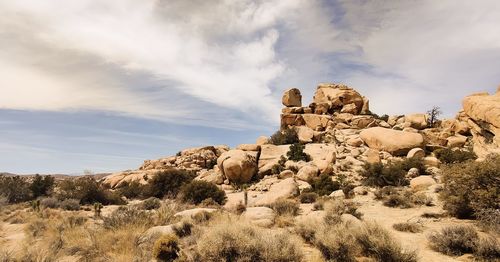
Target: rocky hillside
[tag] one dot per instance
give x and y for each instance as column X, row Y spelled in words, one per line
column 340, row 134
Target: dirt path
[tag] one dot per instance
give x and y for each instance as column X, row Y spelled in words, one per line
column 11, row 237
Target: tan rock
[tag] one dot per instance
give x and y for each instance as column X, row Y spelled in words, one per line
column 456, row 141
column 292, row 98
column 422, row 182
column 261, row 216
column 308, row 172
column 417, row 121
column 416, row 153
column 305, row 134
column 190, row 213
column 338, row 194
column 248, row 147
column 286, row 174
column 263, row 140
column 431, row 161
column 338, row 95
column 284, row 189
column 372, row 156
column 322, row 155
column 292, row 120
column 355, row 141
column 211, row 176
column 365, row 110
column 316, row 122
column 238, row 166
column 364, row 121
column 350, row 108
column 393, row 141
column 292, row 110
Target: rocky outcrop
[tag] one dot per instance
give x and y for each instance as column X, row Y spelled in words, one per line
column 483, row 115
column 237, row 166
column 393, row 141
column 292, row 98
column 331, row 98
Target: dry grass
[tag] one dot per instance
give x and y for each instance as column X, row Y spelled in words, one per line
column 454, row 240
column 230, row 239
column 411, row 227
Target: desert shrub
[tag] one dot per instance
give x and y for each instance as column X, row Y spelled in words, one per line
column 337, row 243
column 285, row 207
column 202, row 217
column 346, row 185
column 471, row 187
column 3, row 201
column 421, row 199
column 168, row 183
column 15, row 189
column 183, row 228
column 410, row 227
column 432, row 215
column 488, row 249
column 308, row 197
column 132, row 189
column 383, row 192
column 335, row 209
column 240, row 241
column 377, row 242
column 279, row 167
column 88, row 191
column 454, row 240
column 450, row 156
column 378, row 174
column 41, row 186
column 409, row 163
column 296, row 153
column 127, row 216
column 166, row 248
column 489, row 219
column 285, row 136
column 324, row 185
column 70, row 204
column 197, row 191
column 151, row 203
column 401, row 200
column 49, row 202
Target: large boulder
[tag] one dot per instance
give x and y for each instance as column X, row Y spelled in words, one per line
column 305, row 134
column 308, row 172
column 393, row 141
column 284, row 189
column 483, row 111
column 322, row 155
column 237, row 166
column 417, row 121
column 261, row 216
column 316, row 122
column 292, row 98
column 337, row 96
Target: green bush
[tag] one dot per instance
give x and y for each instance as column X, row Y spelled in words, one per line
column 454, row 240
column 166, row 248
column 168, row 183
column 41, row 186
column 471, row 187
column 197, row 191
column 88, row 191
column 378, row 174
column 15, row 189
column 131, row 190
column 324, row 185
column 284, row 137
column 308, row 197
column 450, row 156
column 151, row 203
column 296, row 153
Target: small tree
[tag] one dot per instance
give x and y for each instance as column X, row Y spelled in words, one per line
column 434, row 113
column 41, row 186
column 296, row 153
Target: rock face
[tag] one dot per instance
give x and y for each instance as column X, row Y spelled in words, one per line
column 338, row 97
column 292, row 98
column 261, row 216
column 238, row 166
column 483, row 115
column 393, row 141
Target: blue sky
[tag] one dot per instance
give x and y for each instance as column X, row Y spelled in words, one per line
column 103, row 85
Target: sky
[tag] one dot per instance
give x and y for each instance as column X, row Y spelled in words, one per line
column 103, row 85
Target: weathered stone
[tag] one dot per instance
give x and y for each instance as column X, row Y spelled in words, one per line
column 413, row 172
column 422, row 182
column 285, row 174
column 305, row 134
column 338, row 95
column 372, row 156
column 291, row 120
column 416, row 153
column 322, row 155
column 456, row 141
column 308, row 172
column 190, row 213
column 417, row 121
column 284, row 189
column 261, row 216
column 262, row 140
column 248, row 147
column 349, row 108
column 292, row 98
column 431, row 161
column 361, row 122
column 355, row 141
column 338, row 194
column 292, row 110
column 238, row 166
column 393, row 141
column 316, row 122
column 365, row 110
